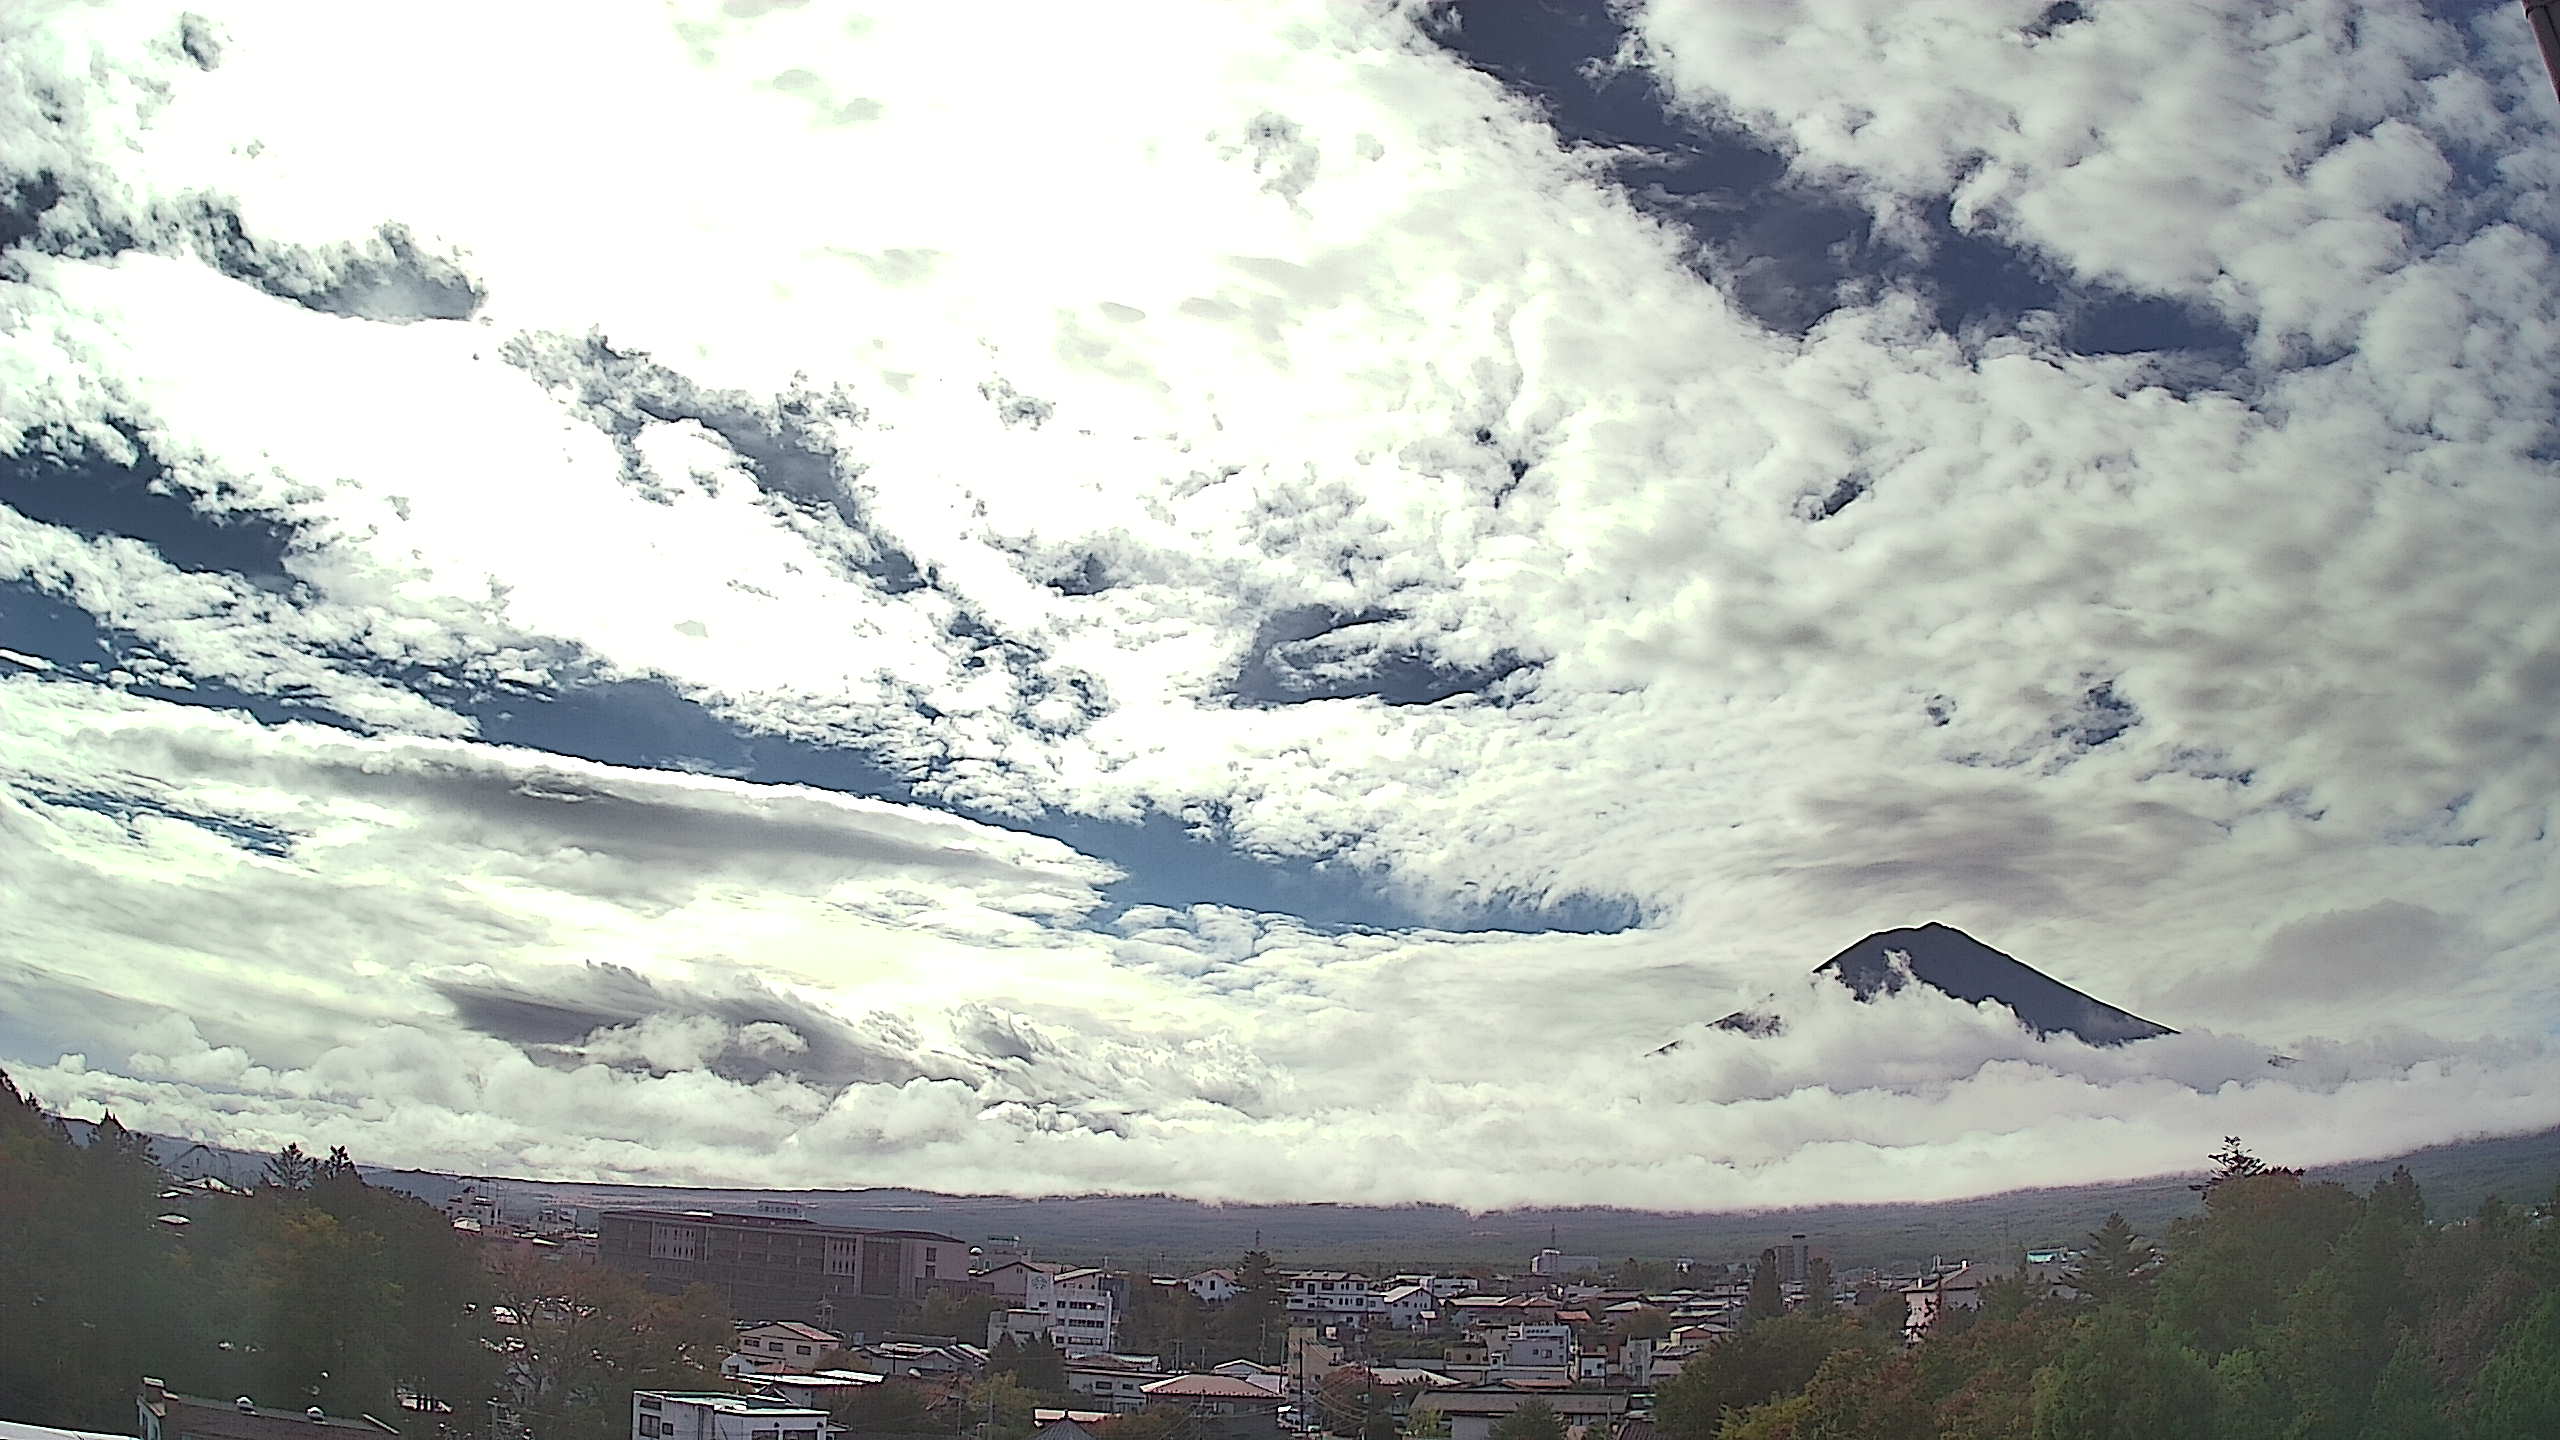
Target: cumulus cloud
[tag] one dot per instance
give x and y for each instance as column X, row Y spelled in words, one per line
column 1293, row 438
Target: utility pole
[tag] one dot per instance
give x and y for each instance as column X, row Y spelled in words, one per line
column 2546, row 33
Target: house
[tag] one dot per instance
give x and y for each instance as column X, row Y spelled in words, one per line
column 1532, row 1352
column 712, row 1415
column 1331, row 1295
column 1960, row 1286
column 819, row 1391
column 1408, row 1307
column 1117, row 1383
column 1269, row 1377
column 1473, row 1412
column 1065, row 1427
column 1213, row 1287
column 164, row 1414
column 1227, row 1408
column 782, row 1345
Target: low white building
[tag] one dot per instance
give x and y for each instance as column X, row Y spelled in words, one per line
column 818, row 1391
column 785, row 1345
column 1213, row 1287
column 1555, row 1264
column 1473, row 1412
column 1408, row 1307
column 1959, row 1287
column 1115, row 1383
column 705, row 1415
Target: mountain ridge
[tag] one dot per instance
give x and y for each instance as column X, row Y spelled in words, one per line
column 1954, row 963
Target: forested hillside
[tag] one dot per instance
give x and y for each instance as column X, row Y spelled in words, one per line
column 2286, row 1309
column 312, row 1289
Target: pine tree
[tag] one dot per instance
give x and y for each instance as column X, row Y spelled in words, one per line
column 1766, row 1300
column 291, row 1169
column 2117, row 1264
column 1818, row 1285
column 2398, row 1197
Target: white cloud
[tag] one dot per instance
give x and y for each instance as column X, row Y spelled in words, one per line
column 808, row 350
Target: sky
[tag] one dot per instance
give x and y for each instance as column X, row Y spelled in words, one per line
column 1263, row 602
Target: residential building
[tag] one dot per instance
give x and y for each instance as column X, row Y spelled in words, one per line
column 1074, row 1308
column 1117, row 1383
column 1531, row 1352
column 779, row 1266
column 1792, row 1257
column 1332, row 1295
column 1474, row 1411
column 1065, row 1427
column 1269, row 1377
column 714, row 1415
column 1959, row 1286
column 1228, row 1408
column 1555, row 1264
column 1213, row 1287
column 818, row 1391
column 163, row 1414
column 785, row 1345
column 1408, row 1307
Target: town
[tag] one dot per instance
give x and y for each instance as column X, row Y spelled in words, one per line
column 187, row 1304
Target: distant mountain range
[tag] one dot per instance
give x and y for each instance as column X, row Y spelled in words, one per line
column 1953, row 963
column 1168, row 1234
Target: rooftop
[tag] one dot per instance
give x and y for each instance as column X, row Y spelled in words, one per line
column 1208, row 1387
column 731, row 1403
column 733, row 1220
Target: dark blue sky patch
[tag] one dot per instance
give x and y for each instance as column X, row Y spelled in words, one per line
column 2102, row 716
column 86, row 492
column 130, row 809
column 1787, row 251
column 1278, row 670
column 784, row 442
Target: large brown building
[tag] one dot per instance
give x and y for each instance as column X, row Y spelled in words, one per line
column 771, row 1267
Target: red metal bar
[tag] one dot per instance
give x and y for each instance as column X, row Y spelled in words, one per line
column 2546, row 31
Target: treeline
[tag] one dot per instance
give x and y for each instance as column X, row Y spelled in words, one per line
column 2286, row 1310
column 313, row 1289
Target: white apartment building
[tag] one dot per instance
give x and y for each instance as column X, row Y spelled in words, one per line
column 1408, row 1307
column 1068, row 1306
column 707, row 1415
column 1333, row 1294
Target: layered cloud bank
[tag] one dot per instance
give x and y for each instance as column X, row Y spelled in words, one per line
column 1267, row 422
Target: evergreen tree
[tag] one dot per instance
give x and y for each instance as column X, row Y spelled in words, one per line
column 2124, row 1380
column 1818, row 1285
column 2116, row 1266
column 1766, row 1299
column 1255, row 1324
column 2518, row 1395
column 2398, row 1197
column 2406, row 1404
column 290, row 1169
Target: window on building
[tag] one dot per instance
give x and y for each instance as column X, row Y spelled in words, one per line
column 675, row 1242
column 651, row 1402
column 649, row 1425
column 842, row 1255
column 769, row 1433
column 803, row 1349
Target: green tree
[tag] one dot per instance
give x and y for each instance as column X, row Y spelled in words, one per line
column 1156, row 1422
column 2122, row 1379
column 2116, row 1266
column 999, row 1407
column 1771, row 1359
column 1535, row 1419
column 2406, row 1403
column 1766, row 1300
column 2518, row 1395
column 1818, row 1284
column 2397, row 1195
column 1255, row 1324
column 290, row 1169
column 591, row 1335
